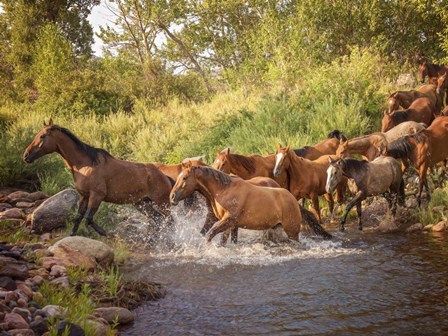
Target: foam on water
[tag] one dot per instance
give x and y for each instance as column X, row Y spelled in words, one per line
column 186, row 245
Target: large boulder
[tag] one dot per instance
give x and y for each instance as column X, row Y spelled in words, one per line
column 99, row 251
column 115, row 315
column 55, row 211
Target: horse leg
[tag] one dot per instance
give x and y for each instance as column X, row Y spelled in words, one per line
column 234, row 236
column 360, row 196
column 443, row 171
column 340, row 191
column 218, row 227
column 94, row 202
column 233, row 232
column 315, row 207
column 330, row 201
column 359, row 212
column 82, row 208
column 422, row 182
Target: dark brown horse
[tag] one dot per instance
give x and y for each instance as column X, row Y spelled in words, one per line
column 307, row 178
column 248, row 166
column 431, row 70
column 423, row 149
column 237, row 203
column 442, row 84
column 421, row 110
column 382, row 176
column 100, row 177
column 326, row 147
column 403, row 99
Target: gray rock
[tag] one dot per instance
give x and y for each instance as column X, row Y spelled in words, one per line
column 8, row 283
column 115, row 314
column 62, row 282
column 99, row 251
column 39, row 327
column 73, row 329
column 54, row 311
column 55, row 211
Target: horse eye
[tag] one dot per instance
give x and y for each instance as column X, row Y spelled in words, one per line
column 43, row 136
column 185, row 178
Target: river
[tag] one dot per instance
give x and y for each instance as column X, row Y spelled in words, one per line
column 360, row 283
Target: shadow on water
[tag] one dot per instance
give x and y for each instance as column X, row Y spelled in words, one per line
column 361, row 283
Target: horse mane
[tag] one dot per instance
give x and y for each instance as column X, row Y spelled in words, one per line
column 399, row 116
column 246, row 161
column 302, row 151
column 195, row 158
column 337, row 134
column 92, row 152
column 419, row 136
column 399, row 149
column 218, row 175
column 172, row 182
column 350, row 164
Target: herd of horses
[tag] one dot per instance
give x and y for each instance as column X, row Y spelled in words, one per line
column 262, row 192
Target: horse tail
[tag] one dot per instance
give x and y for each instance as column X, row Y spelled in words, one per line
column 312, row 221
column 337, row 134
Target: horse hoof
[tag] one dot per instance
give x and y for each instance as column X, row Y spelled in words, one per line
column 341, row 229
column 360, row 228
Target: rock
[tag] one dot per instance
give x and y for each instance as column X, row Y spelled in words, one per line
column 13, row 268
column 25, row 290
column 411, row 203
column 98, row 325
column 24, row 205
column 5, row 206
column 11, row 296
column 39, row 327
column 13, row 213
column 58, row 271
column 62, row 282
column 96, row 249
column 374, row 213
column 15, row 321
column 54, row 311
column 439, row 227
column 37, row 296
column 45, row 237
column 439, row 208
column 7, row 283
column 41, row 272
column 4, row 308
column 115, row 314
column 18, row 194
column 37, row 280
column 406, row 80
column 428, row 227
column 23, row 312
column 73, row 329
column 21, row 332
column 22, row 303
column 36, row 196
column 55, row 211
column 71, row 258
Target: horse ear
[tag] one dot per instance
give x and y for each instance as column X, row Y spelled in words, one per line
column 187, row 164
column 227, row 152
column 50, row 122
column 279, row 145
column 287, row 148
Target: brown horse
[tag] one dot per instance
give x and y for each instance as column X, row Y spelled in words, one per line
column 421, row 110
column 173, row 170
column 381, row 176
column 237, row 203
column 100, row 177
column 307, row 178
column 403, row 99
column 326, row 147
column 431, row 70
column 424, row 149
column 211, row 218
column 248, row 167
column 442, row 84
column 370, row 146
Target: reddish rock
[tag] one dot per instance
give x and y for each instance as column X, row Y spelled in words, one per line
column 22, row 303
column 13, row 268
column 58, row 271
column 4, row 206
column 37, row 280
column 23, row 312
column 21, row 332
column 415, row 228
column 15, row 321
column 115, row 314
column 13, row 213
column 37, row 196
column 61, row 282
column 25, row 289
column 11, row 296
column 18, row 194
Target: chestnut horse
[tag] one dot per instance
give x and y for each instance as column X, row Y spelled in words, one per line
column 431, row 70
column 442, row 84
column 381, row 176
column 326, row 147
column 248, row 167
column 421, row 110
column 211, row 218
column 100, row 177
column 423, row 149
column 307, row 178
column 403, row 99
column 237, row 203
column 173, row 170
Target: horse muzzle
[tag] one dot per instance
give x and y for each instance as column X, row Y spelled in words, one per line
column 28, row 157
column 277, row 172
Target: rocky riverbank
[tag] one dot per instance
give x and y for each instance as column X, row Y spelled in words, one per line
column 49, row 283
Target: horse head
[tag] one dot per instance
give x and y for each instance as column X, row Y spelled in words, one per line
column 392, row 102
column 441, row 83
column 342, row 150
column 281, row 160
column 43, row 143
column 185, row 183
column 222, row 160
column 334, row 174
column 422, row 71
column 387, row 122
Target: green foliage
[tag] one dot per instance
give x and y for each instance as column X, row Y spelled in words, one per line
column 439, row 197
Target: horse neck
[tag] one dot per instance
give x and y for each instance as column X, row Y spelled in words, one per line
column 208, row 186
column 73, row 157
column 238, row 169
column 359, row 145
column 297, row 166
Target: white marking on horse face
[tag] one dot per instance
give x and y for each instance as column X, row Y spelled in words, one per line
column 278, row 158
column 181, row 174
column 328, row 184
column 217, row 161
column 391, row 101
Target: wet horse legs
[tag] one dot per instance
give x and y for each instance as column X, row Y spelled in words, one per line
column 87, row 209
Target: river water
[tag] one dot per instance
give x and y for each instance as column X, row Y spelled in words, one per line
column 360, row 283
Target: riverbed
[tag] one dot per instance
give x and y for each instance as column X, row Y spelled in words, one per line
column 360, row 283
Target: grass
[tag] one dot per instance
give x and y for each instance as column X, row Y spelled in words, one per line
column 427, row 215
